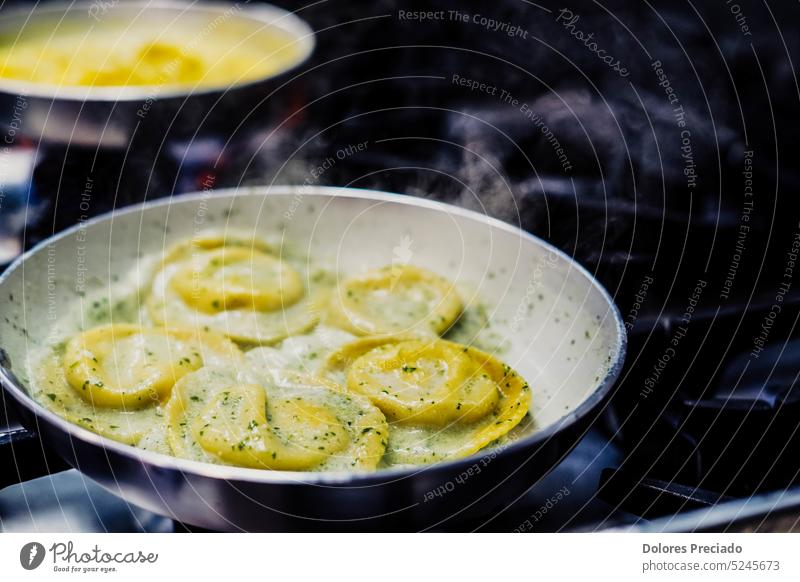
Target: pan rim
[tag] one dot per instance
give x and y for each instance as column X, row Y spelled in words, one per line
column 329, row 478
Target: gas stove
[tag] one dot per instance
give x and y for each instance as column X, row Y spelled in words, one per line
column 669, row 183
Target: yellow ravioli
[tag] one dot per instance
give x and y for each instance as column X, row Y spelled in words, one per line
column 233, row 284
column 444, row 399
column 237, row 278
column 395, row 299
column 130, row 366
column 338, row 362
column 140, row 424
column 177, row 390
column 120, row 52
column 274, row 419
column 210, row 240
column 50, row 388
column 234, row 427
column 424, row 382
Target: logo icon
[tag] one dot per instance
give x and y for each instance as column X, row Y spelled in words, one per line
column 402, row 252
column 31, row 555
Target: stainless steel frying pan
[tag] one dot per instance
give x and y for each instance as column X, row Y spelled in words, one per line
column 111, row 116
column 561, row 330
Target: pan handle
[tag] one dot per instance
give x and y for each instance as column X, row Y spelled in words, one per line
column 25, row 456
column 20, row 200
column 22, row 451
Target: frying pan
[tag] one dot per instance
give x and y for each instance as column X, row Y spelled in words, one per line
column 560, row 330
column 110, row 117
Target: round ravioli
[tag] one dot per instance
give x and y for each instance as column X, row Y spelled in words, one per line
column 235, row 285
column 113, row 379
column 337, row 362
column 210, row 240
column 395, row 299
column 237, row 278
column 424, row 382
column 273, row 419
column 443, row 399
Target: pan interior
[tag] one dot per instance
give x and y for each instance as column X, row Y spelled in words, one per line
column 47, row 49
column 547, row 318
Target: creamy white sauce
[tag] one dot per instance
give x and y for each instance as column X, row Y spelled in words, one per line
column 124, row 301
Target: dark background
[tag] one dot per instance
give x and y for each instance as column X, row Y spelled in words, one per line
column 624, row 208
